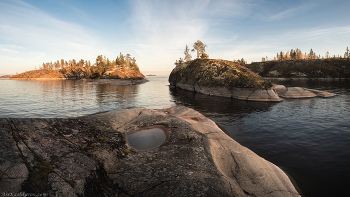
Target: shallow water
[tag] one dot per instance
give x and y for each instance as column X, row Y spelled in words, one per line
column 146, row 139
column 308, row 138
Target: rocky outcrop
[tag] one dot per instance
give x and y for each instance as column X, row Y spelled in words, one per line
column 89, row 156
column 78, row 72
column 222, row 78
column 299, row 92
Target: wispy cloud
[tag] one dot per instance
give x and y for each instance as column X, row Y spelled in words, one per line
column 291, row 12
column 163, row 28
column 29, row 26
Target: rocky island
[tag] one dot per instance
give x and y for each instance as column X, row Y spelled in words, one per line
column 93, row 156
column 122, row 71
column 231, row 79
column 222, row 78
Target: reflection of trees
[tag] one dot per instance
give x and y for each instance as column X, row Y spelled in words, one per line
column 123, row 96
column 214, row 106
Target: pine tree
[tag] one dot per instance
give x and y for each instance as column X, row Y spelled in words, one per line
column 57, row 65
column 311, row 55
column 187, row 54
column 200, row 47
column 347, row 54
column 62, row 63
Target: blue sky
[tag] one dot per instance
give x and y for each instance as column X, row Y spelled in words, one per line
column 156, row 32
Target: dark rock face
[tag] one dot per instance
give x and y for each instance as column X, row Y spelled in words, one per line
column 88, row 156
column 222, row 78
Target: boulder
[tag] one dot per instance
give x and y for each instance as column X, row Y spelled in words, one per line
column 91, row 156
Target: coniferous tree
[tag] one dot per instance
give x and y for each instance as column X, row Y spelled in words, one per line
column 347, row 53
column 200, row 47
column 99, row 61
column 121, row 61
column 281, row 56
column 311, row 55
column 57, row 65
column 327, row 54
column 187, row 54
column 62, row 63
column 81, row 63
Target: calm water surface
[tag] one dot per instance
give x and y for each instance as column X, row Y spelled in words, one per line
column 308, row 138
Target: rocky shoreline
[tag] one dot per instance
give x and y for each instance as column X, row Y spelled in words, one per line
column 94, row 81
column 114, row 81
column 38, row 79
column 229, row 79
column 91, row 156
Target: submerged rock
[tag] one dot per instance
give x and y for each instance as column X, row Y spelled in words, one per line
column 89, row 156
column 222, row 78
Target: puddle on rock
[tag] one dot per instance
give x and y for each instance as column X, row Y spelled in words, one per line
column 146, row 139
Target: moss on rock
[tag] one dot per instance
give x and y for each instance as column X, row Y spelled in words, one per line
column 213, row 72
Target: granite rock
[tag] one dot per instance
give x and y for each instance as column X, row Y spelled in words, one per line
column 90, row 156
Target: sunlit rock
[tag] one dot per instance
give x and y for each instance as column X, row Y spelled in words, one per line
column 222, row 78
column 89, row 156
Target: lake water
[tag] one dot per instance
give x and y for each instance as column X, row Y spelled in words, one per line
column 308, row 138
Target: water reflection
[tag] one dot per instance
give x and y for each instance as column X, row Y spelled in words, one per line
column 115, row 95
column 217, row 107
column 147, row 138
column 308, row 138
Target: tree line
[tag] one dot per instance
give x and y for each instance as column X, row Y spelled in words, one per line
column 102, row 63
column 298, row 55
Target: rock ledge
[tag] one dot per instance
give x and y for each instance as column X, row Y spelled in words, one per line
column 88, row 156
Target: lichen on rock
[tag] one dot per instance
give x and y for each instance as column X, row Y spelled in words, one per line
column 222, row 78
column 213, row 72
column 53, row 157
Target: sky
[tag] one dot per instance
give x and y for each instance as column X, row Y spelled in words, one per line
column 156, row 32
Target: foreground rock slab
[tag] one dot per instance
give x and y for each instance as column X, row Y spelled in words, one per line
column 90, row 156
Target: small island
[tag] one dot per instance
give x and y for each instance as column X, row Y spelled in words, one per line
column 295, row 64
column 123, row 68
column 232, row 78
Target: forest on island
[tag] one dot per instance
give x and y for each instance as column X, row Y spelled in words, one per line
column 298, row 55
column 294, row 63
column 121, row 67
column 288, row 64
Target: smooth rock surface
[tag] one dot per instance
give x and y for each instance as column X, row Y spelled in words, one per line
column 88, row 156
column 299, row 92
column 249, row 94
